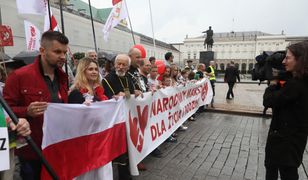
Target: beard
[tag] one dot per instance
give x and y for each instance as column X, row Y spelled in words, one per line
column 119, row 73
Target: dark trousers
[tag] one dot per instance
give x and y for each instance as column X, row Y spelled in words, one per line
column 286, row 173
column 230, row 90
column 124, row 173
column 30, row 170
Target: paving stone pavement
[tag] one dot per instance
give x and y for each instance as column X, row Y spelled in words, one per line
column 248, row 98
column 215, row 147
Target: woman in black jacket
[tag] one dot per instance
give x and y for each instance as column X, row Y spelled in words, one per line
column 87, row 87
column 288, row 131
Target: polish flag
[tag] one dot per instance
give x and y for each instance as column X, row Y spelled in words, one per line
column 54, row 23
column 119, row 12
column 80, row 141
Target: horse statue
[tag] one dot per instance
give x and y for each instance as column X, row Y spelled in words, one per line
column 209, row 39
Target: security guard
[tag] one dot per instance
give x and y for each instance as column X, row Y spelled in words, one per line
column 210, row 71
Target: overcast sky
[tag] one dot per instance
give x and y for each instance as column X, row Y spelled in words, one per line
column 173, row 19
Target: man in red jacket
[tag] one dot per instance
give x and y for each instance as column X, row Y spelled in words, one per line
column 30, row 88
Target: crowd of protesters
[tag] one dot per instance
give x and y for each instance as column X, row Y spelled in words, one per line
column 29, row 89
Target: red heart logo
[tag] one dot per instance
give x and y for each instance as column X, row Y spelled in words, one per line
column 143, row 118
column 134, row 130
column 136, row 137
column 140, row 145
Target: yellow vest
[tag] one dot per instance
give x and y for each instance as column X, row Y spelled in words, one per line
column 212, row 77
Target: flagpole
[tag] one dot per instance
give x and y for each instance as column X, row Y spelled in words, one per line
column 63, row 32
column 93, row 26
column 130, row 23
column 152, row 27
column 49, row 14
column 61, row 14
column 30, row 141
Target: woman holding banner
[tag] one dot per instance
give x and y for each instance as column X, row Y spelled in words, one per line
column 87, row 88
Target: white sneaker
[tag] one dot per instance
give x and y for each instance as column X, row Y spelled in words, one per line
column 183, row 128
column 192, row 118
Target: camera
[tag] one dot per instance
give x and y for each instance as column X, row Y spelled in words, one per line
column 269, row 66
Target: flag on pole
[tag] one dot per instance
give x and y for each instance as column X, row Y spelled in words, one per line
column 81, row 141
column 54, row 23
column 37, row 7
column 6, row 36
column 4, row 143
column 33, row 36
column 117, row 13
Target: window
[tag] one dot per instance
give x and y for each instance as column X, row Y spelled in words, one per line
column 195, row 55
column 243, row 70
column 188, row 56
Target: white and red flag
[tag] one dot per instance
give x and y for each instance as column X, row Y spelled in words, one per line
column 37, row 7
column 54, row 23
column 33, row 36
column 118, row 13
column 81, row 141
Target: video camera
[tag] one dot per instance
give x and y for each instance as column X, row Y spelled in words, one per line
column 266, row 62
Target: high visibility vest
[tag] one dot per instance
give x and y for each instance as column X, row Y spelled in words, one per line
column 212, row 77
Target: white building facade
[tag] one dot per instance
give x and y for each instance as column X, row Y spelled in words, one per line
column 241, row 47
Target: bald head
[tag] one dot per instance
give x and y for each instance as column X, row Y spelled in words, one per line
column 135, row 56
column 212, row 63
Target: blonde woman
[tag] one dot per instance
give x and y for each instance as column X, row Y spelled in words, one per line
column 87, row 87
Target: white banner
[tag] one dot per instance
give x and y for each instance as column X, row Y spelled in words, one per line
column 33, row 36
column 153, row 118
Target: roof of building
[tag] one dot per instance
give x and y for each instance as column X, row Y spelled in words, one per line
column 241, row 35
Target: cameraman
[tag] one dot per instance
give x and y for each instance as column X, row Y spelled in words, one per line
column 288, row 131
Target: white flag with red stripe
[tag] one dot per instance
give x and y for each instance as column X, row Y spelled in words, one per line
column 79, row 140
column 54, row 23
column 118, row 13
column 37, row 7
column 33, row 36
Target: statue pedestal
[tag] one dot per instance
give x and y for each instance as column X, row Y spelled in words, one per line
column 206, row 57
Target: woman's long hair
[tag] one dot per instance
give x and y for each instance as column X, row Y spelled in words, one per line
column 81, row 80
column 300, row 52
